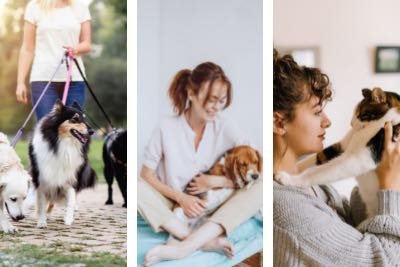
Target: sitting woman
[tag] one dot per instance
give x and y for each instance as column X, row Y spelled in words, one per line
column 180, row 150
column 315, row 226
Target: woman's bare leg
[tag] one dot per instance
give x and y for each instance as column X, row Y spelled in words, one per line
column 176, row 227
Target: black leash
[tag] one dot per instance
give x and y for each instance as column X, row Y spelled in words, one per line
column 93, row 95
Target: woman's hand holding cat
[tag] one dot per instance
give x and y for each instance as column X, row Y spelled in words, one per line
column 388, row 169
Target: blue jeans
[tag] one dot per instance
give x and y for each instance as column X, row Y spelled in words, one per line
column 55, row 91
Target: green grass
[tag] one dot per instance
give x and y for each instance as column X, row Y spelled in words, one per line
column 53, row 256
column 95, row 156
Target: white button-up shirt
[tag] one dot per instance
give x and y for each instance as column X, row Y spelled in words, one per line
column 171, row 151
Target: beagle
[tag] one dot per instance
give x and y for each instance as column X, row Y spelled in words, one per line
column 242, row 165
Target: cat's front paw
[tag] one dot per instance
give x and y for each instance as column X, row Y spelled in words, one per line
column 286, row 179
column 283, row 178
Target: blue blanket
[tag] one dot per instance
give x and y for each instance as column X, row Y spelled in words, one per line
column 247, row 240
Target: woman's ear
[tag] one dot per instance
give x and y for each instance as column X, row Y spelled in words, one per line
column 191, row 94
column 279, row 125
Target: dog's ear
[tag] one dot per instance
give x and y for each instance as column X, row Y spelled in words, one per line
column 231, row 168
column 77, row 106
column 260, row 162
column 2, row 186
column 58, row 106
column 29, row 179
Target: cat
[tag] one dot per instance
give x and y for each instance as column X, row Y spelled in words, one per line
column 358, row 153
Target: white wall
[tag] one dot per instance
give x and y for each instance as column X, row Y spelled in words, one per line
column 177, row 34
column 347, row 33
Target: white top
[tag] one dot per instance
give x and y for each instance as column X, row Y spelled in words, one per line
column 171, row 151
column 60, row 27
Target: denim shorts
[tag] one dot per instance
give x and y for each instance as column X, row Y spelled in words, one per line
column 55, row 91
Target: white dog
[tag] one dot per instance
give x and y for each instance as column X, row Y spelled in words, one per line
column 14, row 184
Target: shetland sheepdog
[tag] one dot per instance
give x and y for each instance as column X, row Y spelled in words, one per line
column 59, row 162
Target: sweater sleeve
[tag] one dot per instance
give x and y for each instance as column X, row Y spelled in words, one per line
column 313, row 234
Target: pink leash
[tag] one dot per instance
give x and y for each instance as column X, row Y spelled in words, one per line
column 69, row 75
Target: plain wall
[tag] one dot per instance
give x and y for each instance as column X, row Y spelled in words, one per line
column 177, row 34
column 346, row 33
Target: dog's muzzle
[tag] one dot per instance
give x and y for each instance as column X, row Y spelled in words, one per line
column 83, row 138
column 15, row 219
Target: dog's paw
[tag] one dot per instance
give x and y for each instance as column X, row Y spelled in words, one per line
column 68, row 219
column 41, row 224
column 8, row 228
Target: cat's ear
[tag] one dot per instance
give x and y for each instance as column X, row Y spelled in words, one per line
column 366, row 92
column 378, row 95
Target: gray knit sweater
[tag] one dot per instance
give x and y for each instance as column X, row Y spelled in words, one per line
column 328, row 231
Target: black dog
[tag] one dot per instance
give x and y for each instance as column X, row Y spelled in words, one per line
column 114, row 157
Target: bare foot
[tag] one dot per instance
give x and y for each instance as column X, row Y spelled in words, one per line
column 172, row 241
column 163, row 252
column 220, row 244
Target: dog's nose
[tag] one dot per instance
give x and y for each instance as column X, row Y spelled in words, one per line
column 254, row 176
column 90, row 131
column 20, row 217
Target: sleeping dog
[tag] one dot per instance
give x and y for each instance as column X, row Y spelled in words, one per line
column 114, row 157
column 14, row 184
column 242, row 165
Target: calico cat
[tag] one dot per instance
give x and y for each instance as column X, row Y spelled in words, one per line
column 358, row 153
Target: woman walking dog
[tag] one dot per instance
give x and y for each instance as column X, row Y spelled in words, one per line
column 51, row 27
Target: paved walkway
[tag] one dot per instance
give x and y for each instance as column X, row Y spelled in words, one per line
column 97, row 227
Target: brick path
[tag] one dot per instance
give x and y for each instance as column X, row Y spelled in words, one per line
column 97, row 227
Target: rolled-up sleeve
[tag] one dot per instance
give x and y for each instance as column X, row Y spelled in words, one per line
column 31, row 13
column 153, row 152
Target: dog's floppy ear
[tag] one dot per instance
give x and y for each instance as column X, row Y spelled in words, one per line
column 4, row 139
column 2, row 186
column 77, row 106
column 260, row 162
column 231, row 168
column 58, row 106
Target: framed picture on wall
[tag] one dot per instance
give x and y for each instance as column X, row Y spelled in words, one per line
column 304, row 56
column 387, row 59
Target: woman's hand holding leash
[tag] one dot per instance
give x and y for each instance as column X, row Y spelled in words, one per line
column 191, row 205
column 388, row 169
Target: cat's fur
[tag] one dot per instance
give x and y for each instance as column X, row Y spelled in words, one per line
column 359, row 152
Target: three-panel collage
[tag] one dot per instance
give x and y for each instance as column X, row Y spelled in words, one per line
column 139, row 133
